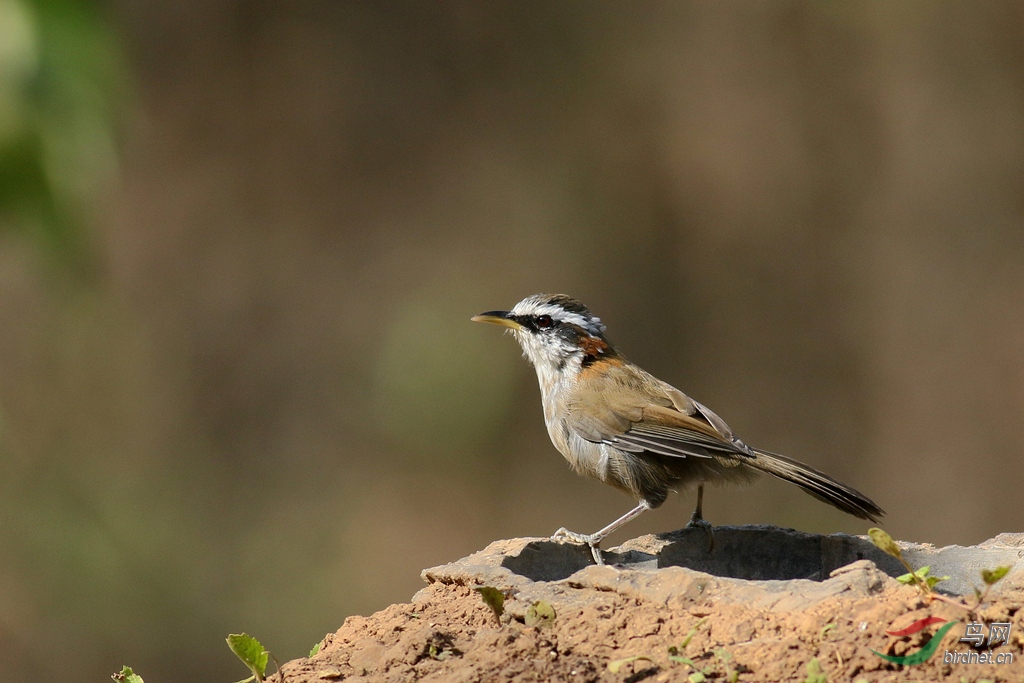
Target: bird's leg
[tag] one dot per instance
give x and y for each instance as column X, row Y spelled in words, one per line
column 697, row 520
column 594, row 539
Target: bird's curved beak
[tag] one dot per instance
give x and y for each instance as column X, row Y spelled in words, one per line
column 497, row 318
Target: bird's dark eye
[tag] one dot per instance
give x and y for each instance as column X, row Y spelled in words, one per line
column 544, row 321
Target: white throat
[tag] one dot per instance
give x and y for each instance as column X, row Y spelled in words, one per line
column 556, row 365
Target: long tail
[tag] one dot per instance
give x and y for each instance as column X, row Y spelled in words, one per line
column 818, row 484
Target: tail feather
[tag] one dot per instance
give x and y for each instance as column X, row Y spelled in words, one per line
column 818, row 484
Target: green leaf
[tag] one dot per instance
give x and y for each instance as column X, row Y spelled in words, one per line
column 814, row 672
column 884, row 543
column 825, row 629
column 692, row 633
column 922, row 577
column 126, row 675
column 436, row 653
column 316, row 649
column 697, row 677
column 540, row 614
column 675, row 653
column 252, row 654
column 731, row 674
column 991, row 576
column 494, row 599
column 618, row 663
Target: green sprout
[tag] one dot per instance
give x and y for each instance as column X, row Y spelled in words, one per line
column 615, row 666
column 699, row 675
column 540, row 614
column 925, row 583
column 252, row 654
column 814, row 672
column 921, row 576
column 732, row 673
column 126, row 675
column 494, row 599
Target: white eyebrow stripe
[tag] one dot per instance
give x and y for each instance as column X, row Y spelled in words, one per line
column 592, row 325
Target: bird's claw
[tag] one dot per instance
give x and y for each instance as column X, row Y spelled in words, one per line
column 706, row 526
column 571, row 535
column 575, row 537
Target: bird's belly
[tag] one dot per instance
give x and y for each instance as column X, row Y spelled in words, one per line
column 585, row 457
column 645, row 476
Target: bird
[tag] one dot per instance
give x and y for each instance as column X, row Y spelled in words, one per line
column 619, row 424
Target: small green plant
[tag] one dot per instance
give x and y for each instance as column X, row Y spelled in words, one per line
column 925, row 583
column 920, row 576
column 814, row 672
column 615, row 666
column 540, row 614
column 126, row 675
column 252, row 654
column 439, row 653
column 699, row 675
column 990, row 578
column 692, row 633
column 494, row 599
column 732, row 673
column 315, row 649
column 676, row 656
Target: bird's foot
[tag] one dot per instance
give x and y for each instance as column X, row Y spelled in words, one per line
column 575, row 537
column 698, row 522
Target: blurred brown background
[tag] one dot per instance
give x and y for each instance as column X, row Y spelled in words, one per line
column 241, row 242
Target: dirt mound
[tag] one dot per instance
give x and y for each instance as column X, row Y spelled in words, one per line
column 679, row 624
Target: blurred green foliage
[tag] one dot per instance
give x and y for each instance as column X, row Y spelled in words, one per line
column 61, row 79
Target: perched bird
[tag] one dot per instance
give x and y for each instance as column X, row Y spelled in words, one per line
column 617, row 423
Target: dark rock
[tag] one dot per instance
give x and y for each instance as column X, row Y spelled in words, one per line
column 783, row 568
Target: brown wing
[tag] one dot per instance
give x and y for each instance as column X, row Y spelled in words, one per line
column 627, row 408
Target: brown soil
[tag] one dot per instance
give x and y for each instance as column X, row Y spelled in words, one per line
column 448, row 634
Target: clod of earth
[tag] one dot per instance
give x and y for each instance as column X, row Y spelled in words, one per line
column 761, row 606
